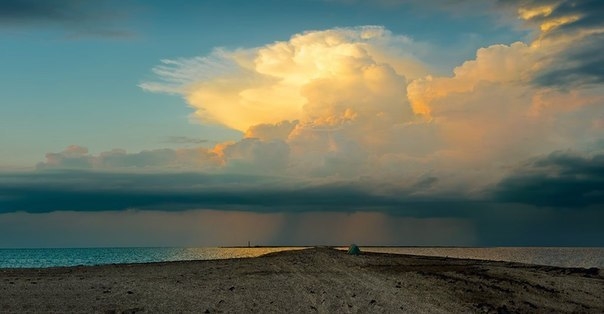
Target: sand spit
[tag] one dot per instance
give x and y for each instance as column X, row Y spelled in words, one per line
column 314, row 280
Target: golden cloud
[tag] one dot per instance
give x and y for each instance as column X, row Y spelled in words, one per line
column 356, row 102
column 321, row 78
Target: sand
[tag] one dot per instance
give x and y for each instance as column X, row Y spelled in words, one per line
column 314, row 280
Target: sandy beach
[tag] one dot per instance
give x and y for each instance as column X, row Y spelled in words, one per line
column 313, row 280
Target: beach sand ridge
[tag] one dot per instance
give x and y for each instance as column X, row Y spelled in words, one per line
column 305, row 281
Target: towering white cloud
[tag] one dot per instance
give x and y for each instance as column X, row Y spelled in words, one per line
column 335, row 97
column 523, row 99
column 321, row 77
column 361, row 124
column 358, row 102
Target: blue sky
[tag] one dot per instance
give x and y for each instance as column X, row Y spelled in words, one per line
column 446, row 122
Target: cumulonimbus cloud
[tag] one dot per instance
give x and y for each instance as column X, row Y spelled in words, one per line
column 323, row 78
column 351, row 120
column 358, row 102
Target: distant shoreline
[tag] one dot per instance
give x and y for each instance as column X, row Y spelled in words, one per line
column 58, row 257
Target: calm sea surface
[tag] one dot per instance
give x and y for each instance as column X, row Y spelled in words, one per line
column 17, row 258
column 553, row 256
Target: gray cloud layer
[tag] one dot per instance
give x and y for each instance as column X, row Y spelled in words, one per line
column 95, row 191
column 577, row 23
column 25, row 11
column 163, row 208
column 561, row 179
column 78, row 18
column 579, row 66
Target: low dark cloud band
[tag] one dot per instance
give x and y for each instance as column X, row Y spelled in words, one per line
column 561, row 179
column 48, row 191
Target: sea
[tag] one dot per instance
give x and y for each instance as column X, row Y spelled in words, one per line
column 552, row 256
column 59, row 257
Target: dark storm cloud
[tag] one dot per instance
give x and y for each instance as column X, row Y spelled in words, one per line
column 94, row 191
column 508, row 224
column 561, row 179
column 555, row 200
column 581, row 65
column 589, row 13
column 582, row 62
column 23, row 11
column 79, row 18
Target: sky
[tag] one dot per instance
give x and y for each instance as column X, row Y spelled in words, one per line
column 301, row 122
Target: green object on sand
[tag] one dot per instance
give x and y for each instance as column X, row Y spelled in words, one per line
column 353, row 249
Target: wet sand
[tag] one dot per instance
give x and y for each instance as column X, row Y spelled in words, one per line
column 314, row 280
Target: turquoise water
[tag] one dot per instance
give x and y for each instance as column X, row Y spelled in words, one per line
column 18, row 258
column 30, row 258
